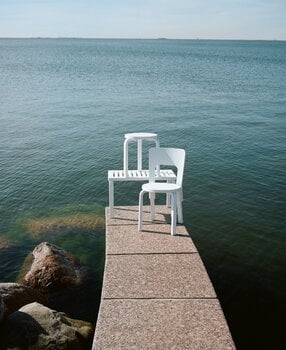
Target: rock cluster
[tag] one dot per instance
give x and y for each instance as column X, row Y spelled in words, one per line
column 35, row 326
column 25, row 320
column 15, row 295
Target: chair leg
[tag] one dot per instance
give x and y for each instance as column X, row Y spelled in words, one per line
column 140, row 210
column 174, row 214
column 179, row 207
column 168, row 195
column 152, row 205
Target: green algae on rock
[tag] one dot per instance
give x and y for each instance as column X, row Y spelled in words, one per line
column 38, row 227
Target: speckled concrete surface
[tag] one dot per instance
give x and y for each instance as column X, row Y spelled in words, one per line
column 156, row 276
column 162, row 324
column 156, row 292
column 157, row 239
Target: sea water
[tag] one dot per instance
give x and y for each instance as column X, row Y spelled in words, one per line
column 65, row 105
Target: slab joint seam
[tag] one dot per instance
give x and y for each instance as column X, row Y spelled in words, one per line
column 160, row 253
column 135, row 225
column 167, row 298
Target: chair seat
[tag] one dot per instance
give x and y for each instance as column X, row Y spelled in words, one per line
column 160, row 187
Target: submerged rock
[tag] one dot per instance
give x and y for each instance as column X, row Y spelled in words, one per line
column 15, row 295
column 4, row 243
column 35, row 326
column 85, row 222
column 50, row 268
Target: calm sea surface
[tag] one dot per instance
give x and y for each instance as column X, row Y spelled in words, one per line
column 65, row 105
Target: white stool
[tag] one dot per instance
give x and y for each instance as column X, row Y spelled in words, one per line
column 139, row 137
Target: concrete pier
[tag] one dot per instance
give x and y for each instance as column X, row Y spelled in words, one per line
column 156, row 292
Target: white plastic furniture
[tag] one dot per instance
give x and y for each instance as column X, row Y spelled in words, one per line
column 164, row 156
column 139, row 137
column 137, row 174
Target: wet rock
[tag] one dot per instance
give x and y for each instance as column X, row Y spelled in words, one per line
column 35, row 326
column 4, row 243
column 51, row 268
column 15, row 295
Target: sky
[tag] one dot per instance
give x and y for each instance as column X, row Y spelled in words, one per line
column 182, row 19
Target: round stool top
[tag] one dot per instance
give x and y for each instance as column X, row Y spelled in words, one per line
column 140, row 136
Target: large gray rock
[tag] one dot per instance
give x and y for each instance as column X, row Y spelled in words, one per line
column 35, row 326
column 15, row 295
column 51, row 268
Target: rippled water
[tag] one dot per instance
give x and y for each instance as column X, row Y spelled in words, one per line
column 64, row 107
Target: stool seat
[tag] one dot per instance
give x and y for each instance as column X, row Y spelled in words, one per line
column 137, row 137
column 141, row 136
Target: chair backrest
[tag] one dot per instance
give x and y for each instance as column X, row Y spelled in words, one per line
column 167, row 156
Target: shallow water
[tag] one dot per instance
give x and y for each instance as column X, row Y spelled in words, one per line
column 65, row 106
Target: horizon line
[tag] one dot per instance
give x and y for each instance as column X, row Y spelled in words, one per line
column 123, row 38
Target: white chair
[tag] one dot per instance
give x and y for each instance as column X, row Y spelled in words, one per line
column 164, row 156
column 137, row 174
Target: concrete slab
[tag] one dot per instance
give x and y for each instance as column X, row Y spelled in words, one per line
column 162, row 325
column 156, row 292
column 156, row 276
column 156, row 239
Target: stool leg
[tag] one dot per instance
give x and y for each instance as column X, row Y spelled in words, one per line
column 139, row 154
column 125, row 157
column 157, row 144
column 111, row 199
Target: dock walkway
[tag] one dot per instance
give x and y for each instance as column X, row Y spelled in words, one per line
column 156, row 292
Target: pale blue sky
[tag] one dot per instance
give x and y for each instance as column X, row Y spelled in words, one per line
column 213, row 19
